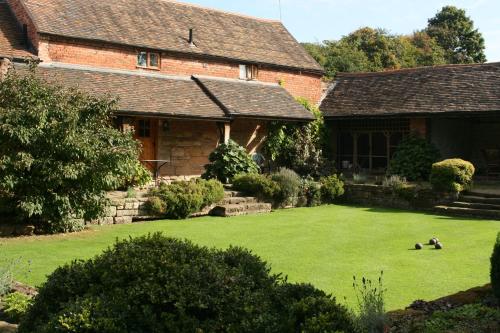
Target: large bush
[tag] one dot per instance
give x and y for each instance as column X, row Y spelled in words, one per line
column 300, row 146
column 453, row 175
column 332, row 187
column 228, row 160
column 310, row 193
column 181, row 199
column 59, row 152
column 495, row 268
column 413, row 159
column 290, row 184
column 257, row 185
column 158, row 284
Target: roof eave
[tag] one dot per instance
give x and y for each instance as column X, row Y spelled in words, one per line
column 162, row 115
column 411, row 114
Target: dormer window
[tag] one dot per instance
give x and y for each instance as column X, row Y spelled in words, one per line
column 249, row 72
column 148, row 60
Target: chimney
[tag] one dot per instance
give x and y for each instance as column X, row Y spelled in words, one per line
column 191, row 37
column 25, row 34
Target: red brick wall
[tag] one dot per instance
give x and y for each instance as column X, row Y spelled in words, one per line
column 23, row 18
column 298, row 84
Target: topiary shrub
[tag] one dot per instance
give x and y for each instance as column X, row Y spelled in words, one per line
column 289, row 183
column 159, row 284
column 413, row 159
column 495, row 268
column 256, row 185
column 228, row 160
column 181, row 199
column 453, row 175
column 332, row 187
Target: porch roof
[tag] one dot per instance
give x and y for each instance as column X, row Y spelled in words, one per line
column 138, row 93
column 253, row 99
column 450, row 89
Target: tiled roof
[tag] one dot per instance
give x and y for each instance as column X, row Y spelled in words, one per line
column 11, row 36
column 164, row 25
column 151, row 94
column 254, row 99
column 138, row 94
column 426, row 90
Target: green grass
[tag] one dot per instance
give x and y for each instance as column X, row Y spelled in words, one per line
column 325, row 246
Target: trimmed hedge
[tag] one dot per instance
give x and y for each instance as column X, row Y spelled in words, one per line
column 181, row 199
column 159, row 284
column 452, row 175
column 256, row 185
column 495, row 268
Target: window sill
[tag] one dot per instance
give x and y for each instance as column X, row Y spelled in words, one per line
column 148, row 68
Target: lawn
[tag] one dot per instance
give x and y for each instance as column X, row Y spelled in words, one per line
column 325, row 246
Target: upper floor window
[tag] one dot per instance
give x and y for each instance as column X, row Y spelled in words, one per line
column 148, row 59
column 249, row 72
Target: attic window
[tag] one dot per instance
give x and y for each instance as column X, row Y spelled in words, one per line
column 249, row 72
column 148, row 60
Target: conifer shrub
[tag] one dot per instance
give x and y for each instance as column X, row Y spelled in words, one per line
column 452, row 175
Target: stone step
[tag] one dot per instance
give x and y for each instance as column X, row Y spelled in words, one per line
column 237, row 200
column 241, row 209
column 482, row 194
column 475, row 205
column 469, row 212
column 479, row 199
column 230, row 194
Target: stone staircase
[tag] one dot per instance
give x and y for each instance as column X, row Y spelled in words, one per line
column 473, row 204
column 236, row 203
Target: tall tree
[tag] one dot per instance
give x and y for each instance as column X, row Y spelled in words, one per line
column 455, row 32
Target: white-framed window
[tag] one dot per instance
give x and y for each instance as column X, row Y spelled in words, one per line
column 148, row 59
column 249, row 72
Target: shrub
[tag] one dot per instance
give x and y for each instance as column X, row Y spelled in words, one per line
column 413, row 159
column 453, row 175
column 6, row 278
column 159, row 284
column 395, row 182
column 212, row 191
column 59, row 152
column 332, row 187
column 467, row 318
column 310, row 193
column 289, row 183
column 181, row 199
column 256, row 185
column 228, row 160
column 139, row 176
column 359, row 178
column 371, row 305
column 15, row 306
column 495, row 268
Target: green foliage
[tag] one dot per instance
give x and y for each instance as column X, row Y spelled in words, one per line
column 395, row 182
column 371, row 315
column 300, row 146
column 159, row 284
column 454, row 31
column 228, row 160
column 468, row 318
column 181, row 199
column 139, row 176
column 59, row 152
column 257, row 185
column 15, row 306
column 413, row 159
column 6, row 277
column 452, row 175
column 310, row 193
column 289, row 183
column 372, row 50
column 332, row 187
column 495, row 268
column 359, row 178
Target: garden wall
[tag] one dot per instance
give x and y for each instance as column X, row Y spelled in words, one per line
column 386, row 197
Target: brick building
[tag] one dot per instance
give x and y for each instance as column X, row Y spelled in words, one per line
column 457, row 107
column 187, row 77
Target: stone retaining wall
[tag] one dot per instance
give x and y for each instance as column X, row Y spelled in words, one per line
column 124, row 210
column 381, row 196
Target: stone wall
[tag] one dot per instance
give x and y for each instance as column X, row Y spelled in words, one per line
column 380, row 196
column 124, row 210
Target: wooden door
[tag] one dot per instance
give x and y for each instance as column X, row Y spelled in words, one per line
column 146, row 133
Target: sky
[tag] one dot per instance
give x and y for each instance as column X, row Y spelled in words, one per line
column 319, row 20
